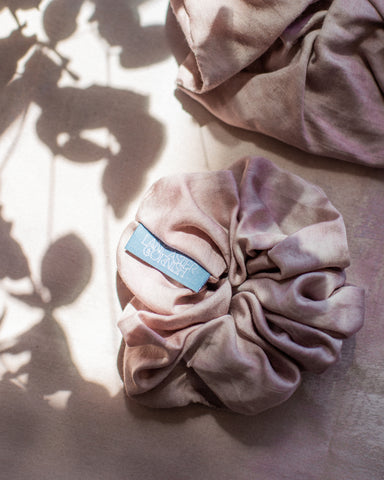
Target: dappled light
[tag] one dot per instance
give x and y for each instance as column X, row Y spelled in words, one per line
column 77, row 141
column 89, row 120
column 36, row 81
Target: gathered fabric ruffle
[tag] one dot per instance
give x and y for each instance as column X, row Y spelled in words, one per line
column 276, row 303
column 308, row 73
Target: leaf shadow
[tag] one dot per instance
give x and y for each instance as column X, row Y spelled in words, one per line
column 13, row 262
column 118, row 26
column 138, row 135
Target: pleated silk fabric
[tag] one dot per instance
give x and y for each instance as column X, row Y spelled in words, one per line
column 309, row 73
column 276, row 303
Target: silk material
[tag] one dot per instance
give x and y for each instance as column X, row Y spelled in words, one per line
column 309, row 73
column 276, row 302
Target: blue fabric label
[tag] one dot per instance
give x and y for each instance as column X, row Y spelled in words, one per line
column 144, row 245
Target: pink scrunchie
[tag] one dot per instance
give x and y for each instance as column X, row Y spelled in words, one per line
column 276, row 302
column 309, row 73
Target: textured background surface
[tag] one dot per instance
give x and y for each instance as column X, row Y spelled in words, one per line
column 78, row 147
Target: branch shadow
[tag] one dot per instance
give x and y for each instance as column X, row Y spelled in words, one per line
column 138, row 135
column 69, row 114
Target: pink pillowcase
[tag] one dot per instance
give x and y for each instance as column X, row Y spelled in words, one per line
column 276, row 302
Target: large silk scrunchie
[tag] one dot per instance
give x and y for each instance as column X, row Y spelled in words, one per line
column 307, row 72
column 276, row 302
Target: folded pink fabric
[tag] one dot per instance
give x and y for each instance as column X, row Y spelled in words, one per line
column 309, row 73
column 276, row 302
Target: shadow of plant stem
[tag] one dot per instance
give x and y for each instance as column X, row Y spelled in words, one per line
column 12, row 49
column 15, row 5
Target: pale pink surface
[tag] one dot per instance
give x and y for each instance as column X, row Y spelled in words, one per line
column 63, row 411
column 307, row 73
column 276, row 302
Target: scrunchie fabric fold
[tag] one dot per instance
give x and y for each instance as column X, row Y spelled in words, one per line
column 276, row 303
column 308, row 73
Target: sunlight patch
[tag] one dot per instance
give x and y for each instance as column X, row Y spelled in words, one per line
column 12, row 363
column 58, row 400
column 103, row 138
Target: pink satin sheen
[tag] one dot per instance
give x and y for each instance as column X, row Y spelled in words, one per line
column 309, row 73
column 276, row 304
